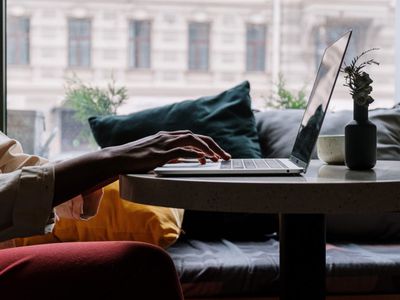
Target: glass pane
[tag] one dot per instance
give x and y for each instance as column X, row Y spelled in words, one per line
column 49, row 42
column 331, row 33
column 18, row 40
column 255, row 47
column 198, row 46
column 79, row 42
column 140, row 47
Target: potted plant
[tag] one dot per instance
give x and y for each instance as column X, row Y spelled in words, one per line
column 360, row 133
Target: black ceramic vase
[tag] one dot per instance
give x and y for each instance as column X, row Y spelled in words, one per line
column 360, row 140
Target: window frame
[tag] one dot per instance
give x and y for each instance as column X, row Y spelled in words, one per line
column 397, row 52
column 25, row 38
column 208, row 67
column 90, row 43
column 265, row 27
column 132, row 45
column 3, row 66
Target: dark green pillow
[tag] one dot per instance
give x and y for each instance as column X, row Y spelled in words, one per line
column 226, row 117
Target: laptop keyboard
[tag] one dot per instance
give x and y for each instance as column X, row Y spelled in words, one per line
column 251, row 164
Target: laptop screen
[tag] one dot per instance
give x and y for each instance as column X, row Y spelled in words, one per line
column 318, row 101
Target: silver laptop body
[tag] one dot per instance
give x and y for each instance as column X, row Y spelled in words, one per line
column 307, row 135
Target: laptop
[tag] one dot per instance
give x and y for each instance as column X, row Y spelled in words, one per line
column 307, row 135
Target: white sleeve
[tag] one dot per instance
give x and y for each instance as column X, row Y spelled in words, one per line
column 26, row 197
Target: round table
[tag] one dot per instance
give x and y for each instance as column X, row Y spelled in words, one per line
column 301, row 200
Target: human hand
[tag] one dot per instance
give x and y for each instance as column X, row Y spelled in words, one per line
column 153, row 151
column 81, row 207
column 91, row 171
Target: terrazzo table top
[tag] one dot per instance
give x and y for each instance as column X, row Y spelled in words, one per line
column 323, row 189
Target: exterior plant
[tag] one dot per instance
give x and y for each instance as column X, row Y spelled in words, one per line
column 285, row 99
column 358, row 80
column 87, row 101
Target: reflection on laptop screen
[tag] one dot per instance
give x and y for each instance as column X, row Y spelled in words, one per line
column 319, row 100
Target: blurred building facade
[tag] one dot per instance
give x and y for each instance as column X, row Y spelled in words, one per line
column 164, row 51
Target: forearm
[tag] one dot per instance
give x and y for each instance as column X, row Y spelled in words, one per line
column 83, row 174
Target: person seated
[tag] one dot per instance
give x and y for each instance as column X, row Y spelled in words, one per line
column 33, row 192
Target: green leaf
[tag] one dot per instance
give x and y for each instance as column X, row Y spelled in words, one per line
column 89, row 101
column 286, row 99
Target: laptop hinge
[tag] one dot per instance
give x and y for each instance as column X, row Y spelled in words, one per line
column 298, row 162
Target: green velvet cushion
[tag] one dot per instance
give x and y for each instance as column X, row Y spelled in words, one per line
column 226, row 117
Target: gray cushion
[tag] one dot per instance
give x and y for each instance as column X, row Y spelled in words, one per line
column 225, row 267
column 277, row 131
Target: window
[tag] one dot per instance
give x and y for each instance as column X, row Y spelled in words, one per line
column 255, row 47
column 79, row 42
column 18, row 41
column 199, row 44
column 140, row 44
column 49, row 42
column 328, row 34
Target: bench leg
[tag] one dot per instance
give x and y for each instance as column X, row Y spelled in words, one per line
column 302, row 256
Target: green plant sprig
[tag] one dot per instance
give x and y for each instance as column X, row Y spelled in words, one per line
column 283, row 98
column 358, row 80
column 87, row 100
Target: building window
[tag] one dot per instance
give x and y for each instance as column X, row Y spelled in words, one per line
column 255, row 47
column 326, row 35
column 199, row 46
column 140, row 44
column 18, row 41
column 79, row 42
